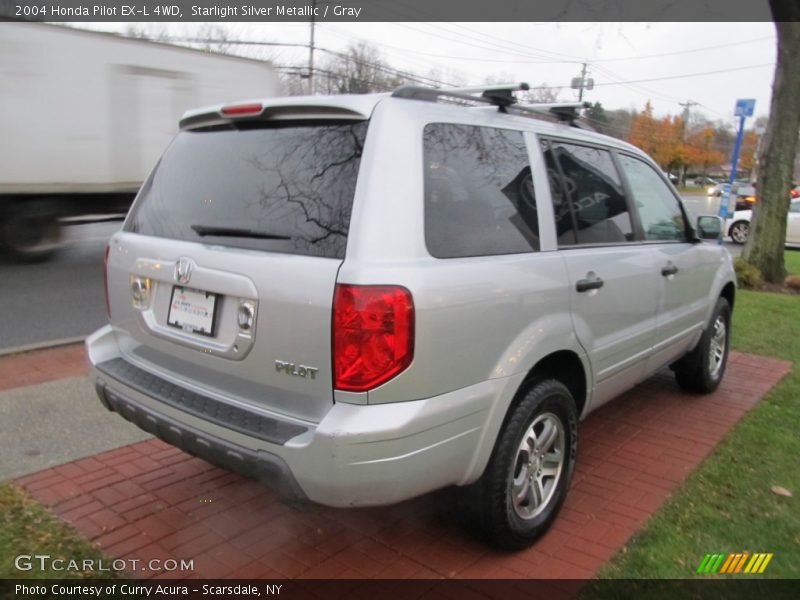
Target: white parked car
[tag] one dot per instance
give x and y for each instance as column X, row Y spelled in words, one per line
column 738, row 227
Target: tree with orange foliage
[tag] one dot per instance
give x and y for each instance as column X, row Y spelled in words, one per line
column 660, row 138
column 701, row 150
column 643, row 130
column 747, row 156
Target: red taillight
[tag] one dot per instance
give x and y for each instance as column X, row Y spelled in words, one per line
column 373, row 335
column 242, row 109
column 105, row 280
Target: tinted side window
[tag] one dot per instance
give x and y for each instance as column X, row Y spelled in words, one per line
column 659, row 210
column 479, row 196
column 589, row 201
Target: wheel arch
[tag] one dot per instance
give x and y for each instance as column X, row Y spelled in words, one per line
column 729, row 293
column 565, row 365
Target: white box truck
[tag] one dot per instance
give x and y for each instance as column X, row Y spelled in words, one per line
column 84, row 117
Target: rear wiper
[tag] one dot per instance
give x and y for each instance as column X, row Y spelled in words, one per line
column 204, row 230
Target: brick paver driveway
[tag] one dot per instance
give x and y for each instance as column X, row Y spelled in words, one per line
column 150, row 500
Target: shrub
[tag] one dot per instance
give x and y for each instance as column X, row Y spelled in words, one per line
column 793, row 283
column 749, row 276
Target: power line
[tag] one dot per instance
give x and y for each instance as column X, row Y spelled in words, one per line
column 426, row 64
column 560, row 87
column 490, row 46
column 639, row 89
column 404, row 74
column 677, row 52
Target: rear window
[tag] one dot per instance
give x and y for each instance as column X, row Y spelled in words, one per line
column 282, row 188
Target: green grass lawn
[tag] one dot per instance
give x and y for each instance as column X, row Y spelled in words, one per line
column 727, row 505
column 27, row 528
column 792, row 260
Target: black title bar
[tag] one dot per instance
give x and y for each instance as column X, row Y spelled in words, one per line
column 385, row 10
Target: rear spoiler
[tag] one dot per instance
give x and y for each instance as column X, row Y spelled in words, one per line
column 250, row 111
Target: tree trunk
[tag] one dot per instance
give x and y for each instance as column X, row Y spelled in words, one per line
column 765, row 246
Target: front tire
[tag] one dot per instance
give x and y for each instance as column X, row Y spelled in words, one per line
column 702, row 369
column 524, row 485
column 739, row 232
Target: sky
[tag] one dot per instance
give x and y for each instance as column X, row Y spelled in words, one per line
column 711, row 64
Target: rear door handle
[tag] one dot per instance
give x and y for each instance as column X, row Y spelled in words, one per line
column 584, row 285
column 670, row 269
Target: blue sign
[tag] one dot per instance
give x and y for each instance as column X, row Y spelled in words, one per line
column 745, row 107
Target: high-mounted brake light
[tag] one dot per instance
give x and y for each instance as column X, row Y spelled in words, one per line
column 242, row 109
column 373, row 335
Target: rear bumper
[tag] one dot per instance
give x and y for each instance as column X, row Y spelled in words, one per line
column 263, row 466
column 357, row 455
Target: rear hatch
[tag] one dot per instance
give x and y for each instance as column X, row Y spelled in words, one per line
column 223, row 276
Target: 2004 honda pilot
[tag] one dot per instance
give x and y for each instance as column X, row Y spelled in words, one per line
column 366, row 298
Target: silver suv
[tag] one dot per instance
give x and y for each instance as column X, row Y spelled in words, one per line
column 366, row 298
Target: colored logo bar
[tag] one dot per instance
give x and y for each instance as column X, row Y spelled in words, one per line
column 735, row 563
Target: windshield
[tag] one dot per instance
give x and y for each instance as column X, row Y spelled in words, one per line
column 288, row 187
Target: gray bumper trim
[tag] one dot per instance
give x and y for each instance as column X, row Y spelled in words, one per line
column 203, row 407
column 263, row 466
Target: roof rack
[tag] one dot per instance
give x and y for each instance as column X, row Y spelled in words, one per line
column 500, row 95
column 497, row 95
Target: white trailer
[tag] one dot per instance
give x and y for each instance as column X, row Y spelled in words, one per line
column 84, row 117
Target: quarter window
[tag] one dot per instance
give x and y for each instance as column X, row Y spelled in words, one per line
column 659, row 211
column 479, row 195
column 589, row 202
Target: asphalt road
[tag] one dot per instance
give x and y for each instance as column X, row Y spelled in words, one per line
column 64, row 298
column 58, row 299
column 47, row 424
column 701, row 205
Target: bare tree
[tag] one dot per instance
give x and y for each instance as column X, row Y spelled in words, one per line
column 216, row 38
column 147, row 31
column 361, row 69
column 765, row 246
column 542, row 94
column 447, row 77
column 294, row 81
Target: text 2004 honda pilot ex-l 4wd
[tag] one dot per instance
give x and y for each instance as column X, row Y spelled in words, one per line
column 368, row 298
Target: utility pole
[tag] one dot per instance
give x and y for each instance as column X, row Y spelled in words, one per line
column 581, row 83
column 311, row 51
column 686, row 107
column 685, row 126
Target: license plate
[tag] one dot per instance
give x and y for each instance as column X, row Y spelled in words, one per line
column 192, row 310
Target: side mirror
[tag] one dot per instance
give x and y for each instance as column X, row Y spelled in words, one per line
column 709, row 227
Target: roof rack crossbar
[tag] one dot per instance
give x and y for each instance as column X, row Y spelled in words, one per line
column 500, row 95
column 497, row 94
column 489, row 87
column 434, row 95
column 563, row 111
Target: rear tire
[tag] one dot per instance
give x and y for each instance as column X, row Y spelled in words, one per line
column 30, row 230
column 524, row 485
column 702, row 369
